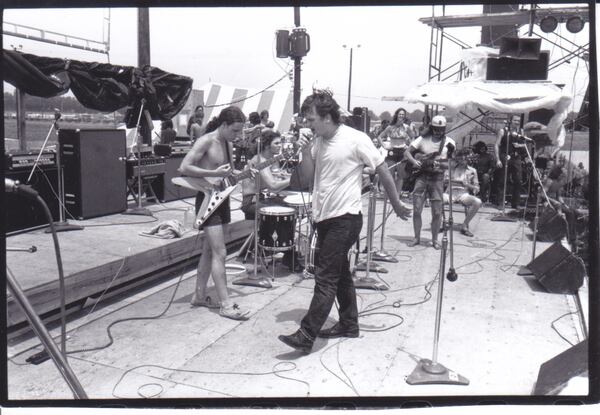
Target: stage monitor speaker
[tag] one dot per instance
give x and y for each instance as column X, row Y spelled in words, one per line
column 511, row 69
column 558, row 270
column 21, row 214
column 556, row 372
column 551, row 226
column 520, row 48
column 94, row 171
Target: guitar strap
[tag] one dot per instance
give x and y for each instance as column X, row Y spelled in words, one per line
column 442, row 142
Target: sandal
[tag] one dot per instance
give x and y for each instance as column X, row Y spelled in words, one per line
column 466, row 232
column 207, row 302
column 414, row 242
column 234, row 312
column 436, row 245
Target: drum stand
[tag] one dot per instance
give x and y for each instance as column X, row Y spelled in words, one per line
column 252, row 279
column 366, row 281
column 431, row 371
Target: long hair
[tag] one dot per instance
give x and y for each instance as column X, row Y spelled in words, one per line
column 228, row 116
column 395, row 117
column 324, row 104
column 267, row 136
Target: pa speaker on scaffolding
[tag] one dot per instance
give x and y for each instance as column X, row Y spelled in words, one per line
column 520, row 48
column 513, row 69
column 558, row 270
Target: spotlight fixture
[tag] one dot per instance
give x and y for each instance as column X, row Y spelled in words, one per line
column 575, row 24
column 548, row 24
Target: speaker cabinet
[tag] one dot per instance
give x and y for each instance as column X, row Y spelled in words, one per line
column 556, row 372
column 21, row 214
column 512, row 69
column 94, row 171
column 165, row 189
column 520, row 48
column 558, row 270
column 551, row 226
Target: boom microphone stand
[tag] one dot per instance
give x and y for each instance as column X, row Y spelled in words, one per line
column 139, row 210
column 62, row 225
column 366, row 281
column 431, row 371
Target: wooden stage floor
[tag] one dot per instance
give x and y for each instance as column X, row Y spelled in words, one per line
column 497, row 328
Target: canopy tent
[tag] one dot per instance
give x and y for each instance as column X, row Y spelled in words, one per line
column 99, row 86
column 465, row 100
column 279, row 102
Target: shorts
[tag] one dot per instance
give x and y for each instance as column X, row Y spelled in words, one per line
column 220, row 216
column 430, row 185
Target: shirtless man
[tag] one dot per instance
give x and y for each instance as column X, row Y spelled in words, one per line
column 210, row 156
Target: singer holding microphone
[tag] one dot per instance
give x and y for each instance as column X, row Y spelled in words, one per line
column 434, row 149
column 340, row 153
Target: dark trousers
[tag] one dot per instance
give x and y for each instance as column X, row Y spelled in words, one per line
column 332, row 277
column 514, row 176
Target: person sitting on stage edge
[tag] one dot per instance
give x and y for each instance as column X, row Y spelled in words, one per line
column 210, row 156
column 395, row 139
column 464, row 186
column 340, row 154
column 270, row 180
column 194, row 126
column 430, row 167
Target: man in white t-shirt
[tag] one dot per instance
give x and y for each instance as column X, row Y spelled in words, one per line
column 433, row 148
column 340, row 154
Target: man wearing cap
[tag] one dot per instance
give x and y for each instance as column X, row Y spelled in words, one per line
column 433, row 149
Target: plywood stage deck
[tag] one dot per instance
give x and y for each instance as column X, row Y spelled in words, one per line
column 497, row 328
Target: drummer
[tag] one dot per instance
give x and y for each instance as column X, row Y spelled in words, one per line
column 272, row 180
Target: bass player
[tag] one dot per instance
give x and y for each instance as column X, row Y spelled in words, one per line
column 433, row 148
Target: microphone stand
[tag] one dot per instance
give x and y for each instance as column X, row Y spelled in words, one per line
column 382, row 254
column 366, row 281
column 431, row 371
column 62, row 225
column 503, row 217
column 255, row 280
column 139, row 210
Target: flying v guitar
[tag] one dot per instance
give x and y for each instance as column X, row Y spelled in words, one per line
column 217, row 189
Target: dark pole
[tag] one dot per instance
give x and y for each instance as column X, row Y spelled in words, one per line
column 143, row 37
column 21, row 136
column 350, row 80
column 297, row 63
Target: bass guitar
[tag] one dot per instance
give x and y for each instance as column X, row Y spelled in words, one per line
column 217, row 189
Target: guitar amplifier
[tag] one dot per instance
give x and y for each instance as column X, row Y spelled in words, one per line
column 18, row 161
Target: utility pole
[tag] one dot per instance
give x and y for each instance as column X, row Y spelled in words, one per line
column 143, row 36
column 297, row 63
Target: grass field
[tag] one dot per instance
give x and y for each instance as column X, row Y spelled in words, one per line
column 36, row 131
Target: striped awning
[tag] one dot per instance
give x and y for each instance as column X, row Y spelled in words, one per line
column 279, row 102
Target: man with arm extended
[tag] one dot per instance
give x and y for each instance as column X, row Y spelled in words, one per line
column 340, row 153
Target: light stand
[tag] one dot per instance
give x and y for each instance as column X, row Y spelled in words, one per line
column 139, row 210
column 62, row 225
column 366, row 281
column 254, row 280
column 431, row 371
column 503, row 217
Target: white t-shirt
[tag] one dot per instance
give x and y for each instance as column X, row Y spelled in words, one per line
column 339, row 163
column 425, row 145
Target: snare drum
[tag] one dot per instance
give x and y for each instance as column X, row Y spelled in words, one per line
column 396, row 154
column 276, row 228
column 301, row 201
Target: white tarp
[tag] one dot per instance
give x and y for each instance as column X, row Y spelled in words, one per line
column 510, row 97
column 278, row 101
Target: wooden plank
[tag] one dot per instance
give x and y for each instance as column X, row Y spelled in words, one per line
column 81, row 284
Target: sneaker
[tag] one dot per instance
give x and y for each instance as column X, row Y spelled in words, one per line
column 337, row 330
column 298, row 341
column 234, row 312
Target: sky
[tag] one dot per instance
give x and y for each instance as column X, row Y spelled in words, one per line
column 236, row 46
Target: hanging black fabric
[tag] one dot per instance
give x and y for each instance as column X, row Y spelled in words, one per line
column 100, row 86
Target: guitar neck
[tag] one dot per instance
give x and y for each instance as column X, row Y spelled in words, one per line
column 248, row 173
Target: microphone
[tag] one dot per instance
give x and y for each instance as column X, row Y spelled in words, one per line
column 450, row 148
column 12, row 186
